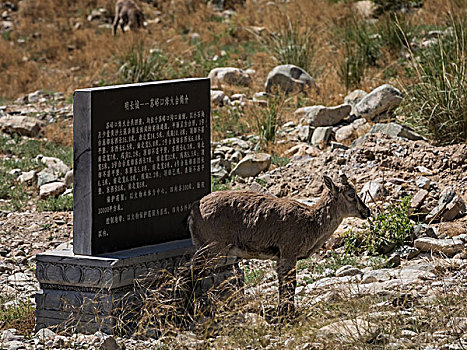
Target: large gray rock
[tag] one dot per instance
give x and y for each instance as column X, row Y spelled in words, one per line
column 19, row 124
column 381, row 100
column 52, row 189
column 449, row 247
column 323, row 116
column 395, row 130
column 450, row 206
column 46, row 176
column 252, row 164
column 391, row 130
column 229, row 76
column 288, row 78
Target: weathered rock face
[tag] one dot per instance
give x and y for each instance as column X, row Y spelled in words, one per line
column 26, row 126
column 381, row 100
column 52, row 189
column 323, row 116
column 252, row 165
column 288, row 78
column 355, row 97
column 450, row 206
column 448, row 247
column 229, row 76
column 391, row 130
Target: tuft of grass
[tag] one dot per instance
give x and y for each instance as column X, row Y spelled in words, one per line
column 18, row 314
column 267, row 120
column 435, row 105
column 292, row 44
column 280, row 161
column 386, row 231
column 60, row 203
column 361, row 50
column 139, row 65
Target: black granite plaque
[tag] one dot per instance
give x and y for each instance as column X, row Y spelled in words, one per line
column 141, row 158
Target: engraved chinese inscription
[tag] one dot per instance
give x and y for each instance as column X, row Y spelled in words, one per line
column 133, row 153
column 149, row 162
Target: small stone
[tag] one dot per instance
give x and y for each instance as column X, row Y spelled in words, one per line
column 45, row 176
column 423, row 182
column 407, row 252
column 45, row 334
column 418, row 199
column 393, row 261
column 423, row 170
column 27, row 177
column 51, row 189
column 55, row 165
column 34, row 97
column 448, row 247
column 321, row 136
column 69, row 178
column 19, row 278
column 229, row 76
column 348, row 270
column 110, row 343
column 355, row 97
column 305, row 132
column 454, row 209
column 424, row 230
column 217, row 97
column 252, row 164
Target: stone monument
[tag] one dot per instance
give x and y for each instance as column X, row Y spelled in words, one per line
column 141, row 158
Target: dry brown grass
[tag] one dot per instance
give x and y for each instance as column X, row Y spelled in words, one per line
column 60, row 132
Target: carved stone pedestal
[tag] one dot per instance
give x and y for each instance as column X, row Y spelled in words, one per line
column 90, row 293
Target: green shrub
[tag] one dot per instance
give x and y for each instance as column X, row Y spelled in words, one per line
column 61, row 203
column 436, row 104
column 385, row 231
column 139, row 65
column 280, row 161
column 216, row 185
column 20, row 316
column 291, row 45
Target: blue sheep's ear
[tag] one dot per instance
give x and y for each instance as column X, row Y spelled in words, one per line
column 329, row 184
column 343, row 178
